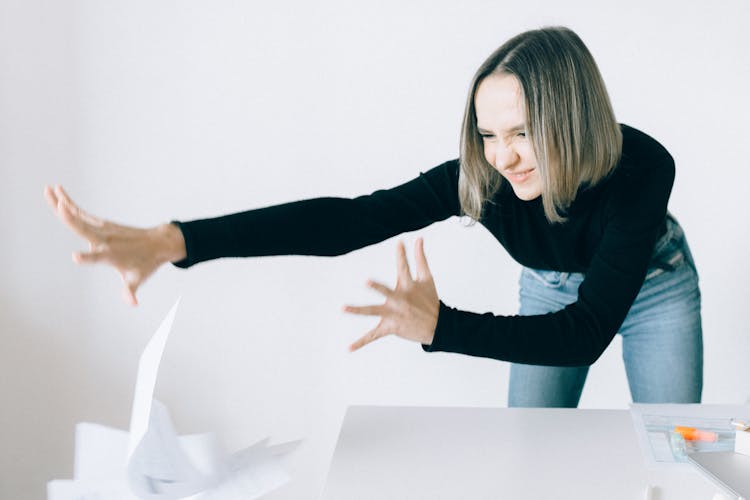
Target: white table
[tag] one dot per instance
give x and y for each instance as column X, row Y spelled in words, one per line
column 498, row 453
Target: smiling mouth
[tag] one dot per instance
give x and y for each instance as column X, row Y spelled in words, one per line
column 519, row 176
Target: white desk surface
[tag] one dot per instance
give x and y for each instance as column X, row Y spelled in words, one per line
column 498, row 453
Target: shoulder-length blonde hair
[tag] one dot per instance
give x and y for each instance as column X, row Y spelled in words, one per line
column 569, row 121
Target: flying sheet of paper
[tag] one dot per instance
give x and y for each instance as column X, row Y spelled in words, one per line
column 159, row 467
column 153, row 462
column 253, row 472
column 148, row 370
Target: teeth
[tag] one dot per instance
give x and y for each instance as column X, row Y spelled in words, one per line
column 520, row 175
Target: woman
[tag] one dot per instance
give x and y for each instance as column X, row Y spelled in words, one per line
column 578, row 200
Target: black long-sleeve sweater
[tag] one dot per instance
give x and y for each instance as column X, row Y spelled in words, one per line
column 609, row 235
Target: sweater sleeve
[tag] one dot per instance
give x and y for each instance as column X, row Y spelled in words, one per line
column 325, row 226
column 579, row 333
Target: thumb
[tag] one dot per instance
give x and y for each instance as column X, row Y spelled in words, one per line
column 131, row 285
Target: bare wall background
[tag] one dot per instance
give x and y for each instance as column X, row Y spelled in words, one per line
column 154, row 110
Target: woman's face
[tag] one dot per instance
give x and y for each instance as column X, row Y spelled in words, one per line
column 501, row 120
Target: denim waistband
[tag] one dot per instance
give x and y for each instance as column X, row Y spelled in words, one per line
column 670, row 252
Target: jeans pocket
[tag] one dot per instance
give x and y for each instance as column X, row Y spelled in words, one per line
column 664, row 265
column 670, row 251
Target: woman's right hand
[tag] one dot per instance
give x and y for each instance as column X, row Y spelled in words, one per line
column 134, row 252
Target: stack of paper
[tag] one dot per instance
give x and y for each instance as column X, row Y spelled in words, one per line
column 152, row 462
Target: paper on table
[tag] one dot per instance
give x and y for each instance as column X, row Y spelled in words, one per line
column 654, row 424
column 100, row 451
column 101, row 461
column 99, row 470
column 152, row 462
column 160, row 468
column 62, row 489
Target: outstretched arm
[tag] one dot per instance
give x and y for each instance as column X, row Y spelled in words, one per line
column 134, row 252
column 319, row 226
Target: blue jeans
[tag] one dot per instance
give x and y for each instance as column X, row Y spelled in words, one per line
column 662, row 342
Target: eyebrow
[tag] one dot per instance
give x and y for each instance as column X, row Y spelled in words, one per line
column 515, row 128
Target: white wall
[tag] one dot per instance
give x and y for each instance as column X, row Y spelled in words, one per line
column 153, row 110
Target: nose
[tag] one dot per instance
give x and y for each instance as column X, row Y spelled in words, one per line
column 504, row 155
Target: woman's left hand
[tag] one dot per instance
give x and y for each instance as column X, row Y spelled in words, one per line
column 410, row 310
